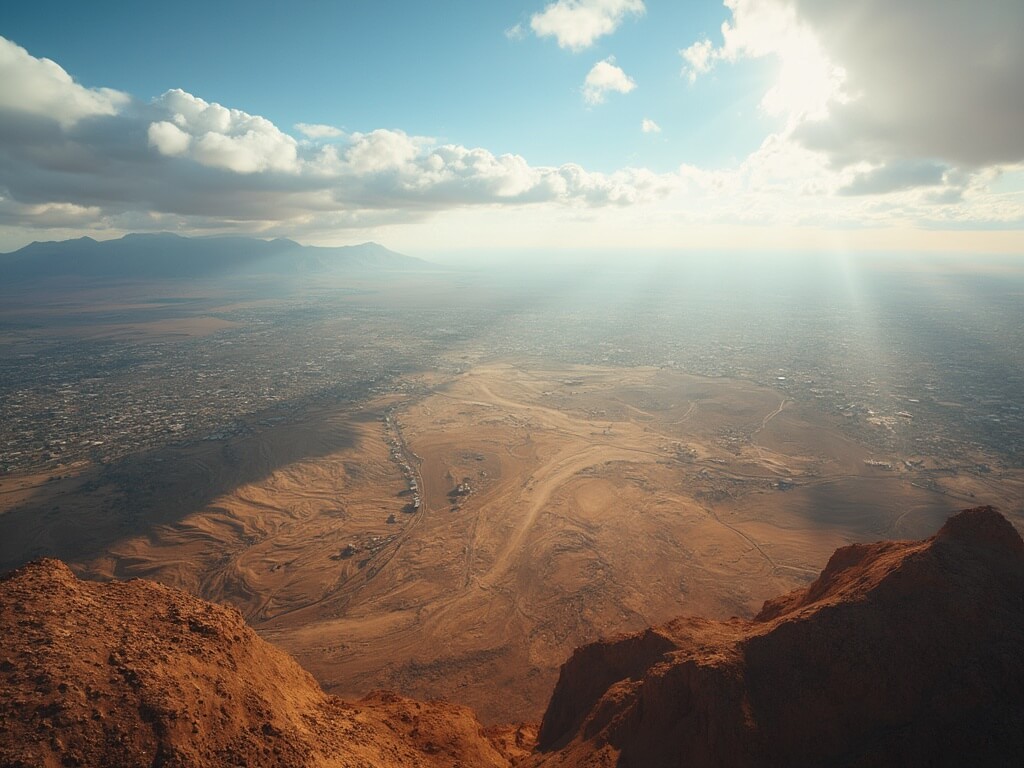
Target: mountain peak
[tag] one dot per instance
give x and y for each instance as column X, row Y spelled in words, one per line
column 984, row 529
column 46, row 571
column 153, row 236
column 135, row 673
column 900, row 653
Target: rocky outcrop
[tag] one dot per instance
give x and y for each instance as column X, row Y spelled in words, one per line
column 137, row 674
column 901, row 653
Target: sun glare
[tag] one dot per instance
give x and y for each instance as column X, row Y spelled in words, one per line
column 808, row 81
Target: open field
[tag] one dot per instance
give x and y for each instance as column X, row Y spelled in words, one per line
column 593, row 501
column 134, row 312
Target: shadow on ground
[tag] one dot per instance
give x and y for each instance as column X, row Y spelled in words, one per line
column 81, row 518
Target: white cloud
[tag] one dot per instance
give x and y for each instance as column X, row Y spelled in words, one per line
column 390, row 168
column 779, row 167
column 380, row 151
column 576, row 24
column 168, row 138
column 515, row 32
column 318, row 131
column 49, row 215
column 604, row 77
column 784, row 185
column 808, row 80
column 219, row 137
column 41, row 87
column 649, row 126
column 181, row 162
column 699, row 57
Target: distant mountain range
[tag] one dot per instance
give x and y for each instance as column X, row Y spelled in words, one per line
column 173, row 256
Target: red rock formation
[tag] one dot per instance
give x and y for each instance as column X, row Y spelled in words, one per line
column 137, row 674
column 901, row 653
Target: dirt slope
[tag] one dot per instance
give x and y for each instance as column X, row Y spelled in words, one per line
column 137, row 674
column 901, row 653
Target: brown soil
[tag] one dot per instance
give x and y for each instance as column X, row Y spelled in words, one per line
column 138, row 674
column 601, row 501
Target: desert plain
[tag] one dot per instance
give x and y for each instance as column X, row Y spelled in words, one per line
column 460, row 535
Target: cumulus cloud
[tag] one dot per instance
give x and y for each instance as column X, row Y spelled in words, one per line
column 49, row 215
column 41, row 87
column 699, row 58
column 777, row 167
column 219, row 137
column 785, row 184
column 808, row 78
column 381, row 151
column 605, row 77
column 649, row 126
column 75, row 158
column 181, row 161
column 577, row 24
column 168, row 138
column 318, row 131
column 391, row 168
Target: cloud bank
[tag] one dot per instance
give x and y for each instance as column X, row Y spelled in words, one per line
column 914, row 89
column 891, row 134
column 218, row 137
column 939, row 80
column 41, row 87
column 72, row 155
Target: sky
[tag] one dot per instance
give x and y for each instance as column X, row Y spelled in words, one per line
column 484, row 129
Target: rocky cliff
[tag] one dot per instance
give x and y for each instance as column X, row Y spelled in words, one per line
column 901, row 653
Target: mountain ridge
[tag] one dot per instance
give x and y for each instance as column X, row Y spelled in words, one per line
column 135, row 673
column 900, row 653
column 168, row 255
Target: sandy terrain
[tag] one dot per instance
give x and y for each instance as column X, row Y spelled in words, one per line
column 594, row 501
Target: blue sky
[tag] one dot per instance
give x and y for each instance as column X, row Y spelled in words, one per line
column 780, row 127
column 449, row 73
